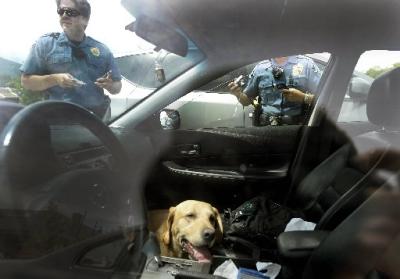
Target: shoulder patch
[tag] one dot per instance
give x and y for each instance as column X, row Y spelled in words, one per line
column 54, row 35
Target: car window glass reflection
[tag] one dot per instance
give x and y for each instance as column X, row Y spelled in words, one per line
column 271, row 92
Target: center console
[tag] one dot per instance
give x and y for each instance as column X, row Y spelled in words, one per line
column 167, row 267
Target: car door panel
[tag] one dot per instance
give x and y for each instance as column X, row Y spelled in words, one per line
column 238, row 161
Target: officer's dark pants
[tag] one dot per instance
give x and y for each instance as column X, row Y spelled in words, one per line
column 103, row 112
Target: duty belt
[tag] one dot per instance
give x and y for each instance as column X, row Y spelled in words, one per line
column 278, row 120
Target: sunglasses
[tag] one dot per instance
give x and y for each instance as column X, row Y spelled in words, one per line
column 68, row 11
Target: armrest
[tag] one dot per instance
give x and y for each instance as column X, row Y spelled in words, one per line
column 299, row 244
column 225, row 174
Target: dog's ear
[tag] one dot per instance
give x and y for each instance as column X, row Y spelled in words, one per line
column 219, row 229
column 167, row 236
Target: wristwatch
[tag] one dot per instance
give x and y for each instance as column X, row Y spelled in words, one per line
column 308, row 99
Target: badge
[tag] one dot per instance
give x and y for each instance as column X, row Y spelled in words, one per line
column 297, row 70
column 95, row 51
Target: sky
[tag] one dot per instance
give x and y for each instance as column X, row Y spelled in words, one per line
column 380, row 58
column 23, row 21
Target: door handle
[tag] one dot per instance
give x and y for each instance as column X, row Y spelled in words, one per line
column 189, row 149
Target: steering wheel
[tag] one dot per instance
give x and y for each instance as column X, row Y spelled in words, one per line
column 58, row 201
column 7, row 110
column 26, row 155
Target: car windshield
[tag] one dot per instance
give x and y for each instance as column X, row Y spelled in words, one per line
column 202, row 139
column 143, row 67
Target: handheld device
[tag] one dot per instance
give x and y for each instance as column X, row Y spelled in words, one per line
column 79, row 82
column 239, row 80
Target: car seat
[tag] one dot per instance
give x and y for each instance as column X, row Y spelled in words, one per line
column 359, row 221
column 366, row 244
column 339, row 184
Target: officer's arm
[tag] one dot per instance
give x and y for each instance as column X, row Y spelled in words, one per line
column 112, row 86
column 106, row 82
column 115, row 87
column 37, row 83
column 298, row 96
column 114, row 76
column 237, row 91
column 44, row 82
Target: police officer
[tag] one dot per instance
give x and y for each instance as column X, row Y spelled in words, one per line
column 284, row 86
column 72, row 66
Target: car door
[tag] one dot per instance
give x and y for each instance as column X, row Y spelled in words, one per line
column 213, row 145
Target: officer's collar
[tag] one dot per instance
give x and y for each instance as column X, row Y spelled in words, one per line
column 291, row 59
column 85, row 42
column 63, row 39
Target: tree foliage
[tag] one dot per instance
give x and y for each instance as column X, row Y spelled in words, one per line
column 26, row 97
column 376, row 70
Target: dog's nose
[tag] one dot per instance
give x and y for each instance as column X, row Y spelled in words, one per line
column 208, row 234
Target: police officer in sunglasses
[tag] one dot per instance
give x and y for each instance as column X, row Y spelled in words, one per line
column 72, row 66
column 281, row 89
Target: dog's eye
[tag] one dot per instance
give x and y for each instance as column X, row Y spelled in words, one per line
column 190, row 215
column 212, row 219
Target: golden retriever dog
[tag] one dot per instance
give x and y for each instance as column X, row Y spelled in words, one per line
column 191, row 228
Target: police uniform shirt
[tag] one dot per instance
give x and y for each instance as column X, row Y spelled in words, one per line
column 300, row 72
column 87, row 61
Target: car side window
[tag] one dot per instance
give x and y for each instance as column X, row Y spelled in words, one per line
column 220, row 85
column 370, row 65
column 213, row 105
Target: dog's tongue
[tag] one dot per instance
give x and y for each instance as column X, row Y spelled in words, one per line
column 201, row 254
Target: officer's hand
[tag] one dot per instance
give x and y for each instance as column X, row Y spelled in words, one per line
column 65, row 80
column 293, row 95
column 105, row 81
column 235, row 88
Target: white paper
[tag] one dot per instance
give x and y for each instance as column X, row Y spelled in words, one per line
column 298, row 224
column 227, row 269
column 268, row 269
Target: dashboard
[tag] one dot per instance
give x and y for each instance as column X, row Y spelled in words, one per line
column 77, row 147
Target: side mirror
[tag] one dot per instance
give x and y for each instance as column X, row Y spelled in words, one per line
column 159, row 34
column 359, row 88
column 170, row 119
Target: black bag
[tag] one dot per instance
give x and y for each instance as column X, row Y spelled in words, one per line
column 258, row 221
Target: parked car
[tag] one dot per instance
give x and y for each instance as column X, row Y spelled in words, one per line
column 76, row 194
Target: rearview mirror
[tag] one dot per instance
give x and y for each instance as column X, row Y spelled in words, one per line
column 159, row 34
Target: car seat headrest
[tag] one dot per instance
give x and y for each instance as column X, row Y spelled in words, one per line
column 383, row 107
